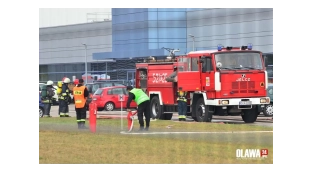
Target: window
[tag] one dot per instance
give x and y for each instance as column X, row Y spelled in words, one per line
column 269, row 69
column 89, row 87
column 110, row 92
column 184, row 64
column 95, row 87
column 117, row 91
column 194, row 64
column 125, row 91
column 206, row 65
column 98, row 92
column 245, row 60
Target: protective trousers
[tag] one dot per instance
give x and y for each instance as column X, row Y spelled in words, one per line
column 81, row 114
column 144, row 107
column 46, row 109
column 63, row 108
column 182, row 107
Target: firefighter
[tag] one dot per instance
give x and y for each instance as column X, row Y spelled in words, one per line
column 47, row 100
column 182, row 104
column 80, row 95
column 64, row 98
column 143, row 102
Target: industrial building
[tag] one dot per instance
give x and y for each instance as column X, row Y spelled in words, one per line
column 112, row 47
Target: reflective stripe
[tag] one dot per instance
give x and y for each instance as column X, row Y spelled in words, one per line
column 182, row 116
column 78, row 101
column 182, row 99
column 78, row 120
column 62, row 114
column 82, row 120
column 46, row 101
column 64, row 94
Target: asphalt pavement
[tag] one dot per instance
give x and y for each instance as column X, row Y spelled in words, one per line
column 261, row 120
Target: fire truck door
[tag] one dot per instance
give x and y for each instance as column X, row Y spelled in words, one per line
column 207, row 75
column 189, row 74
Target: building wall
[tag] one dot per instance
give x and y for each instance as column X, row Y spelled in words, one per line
column 142, row 32
column 61, row 52
column 231, row 27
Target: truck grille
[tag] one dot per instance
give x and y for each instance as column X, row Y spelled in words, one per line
column 243, row 87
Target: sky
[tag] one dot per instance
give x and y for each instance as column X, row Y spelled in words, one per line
column 48, row 17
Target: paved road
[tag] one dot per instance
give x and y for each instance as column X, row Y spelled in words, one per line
column 262, row 120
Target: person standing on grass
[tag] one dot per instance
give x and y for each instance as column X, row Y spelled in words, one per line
column 47, row 101
column 182, row 105
column 80, row 95
column 64, row 98
column 143, row 102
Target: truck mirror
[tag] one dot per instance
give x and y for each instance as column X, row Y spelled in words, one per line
column 201, row 61
column 219, row 64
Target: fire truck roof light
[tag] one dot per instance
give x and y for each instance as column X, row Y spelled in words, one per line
column 249, row 46
column 219, row 47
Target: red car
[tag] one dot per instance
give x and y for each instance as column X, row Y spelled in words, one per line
column 108, row 98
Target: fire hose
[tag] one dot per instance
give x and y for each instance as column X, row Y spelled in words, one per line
column 130, row 118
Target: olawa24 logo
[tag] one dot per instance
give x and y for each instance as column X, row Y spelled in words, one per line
column 252, row 153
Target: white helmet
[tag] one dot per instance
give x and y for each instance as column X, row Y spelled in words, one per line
column 50, row 82
column 66, row 80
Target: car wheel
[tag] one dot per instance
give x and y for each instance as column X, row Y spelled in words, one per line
column 268, row 110
column 109, row 106
column 40, row 112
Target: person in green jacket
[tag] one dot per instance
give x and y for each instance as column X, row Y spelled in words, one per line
column 143, row 102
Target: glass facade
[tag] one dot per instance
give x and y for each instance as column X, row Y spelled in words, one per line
column 141, row 32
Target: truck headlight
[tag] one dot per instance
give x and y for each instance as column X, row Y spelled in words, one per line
column 224, row 102
column 265, row 100
column 271, row 91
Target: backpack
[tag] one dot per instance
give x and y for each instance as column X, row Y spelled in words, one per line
column 45, row 92
column 59, row 88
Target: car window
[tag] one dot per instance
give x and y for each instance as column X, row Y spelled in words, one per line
column 95, row 87
column 110, row 91
column 89, row 87
column 98, row 92
column 125, row 91
column 117, row 91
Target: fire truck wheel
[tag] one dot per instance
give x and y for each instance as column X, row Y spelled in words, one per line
column 250, row 115
column 156, row 108
column 268, row 110
column 109, row 106
column 202, row 114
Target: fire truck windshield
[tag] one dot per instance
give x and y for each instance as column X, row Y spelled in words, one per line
column 237, row 60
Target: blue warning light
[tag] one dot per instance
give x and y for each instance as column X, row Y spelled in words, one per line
column 220, row 47
column 249, row 46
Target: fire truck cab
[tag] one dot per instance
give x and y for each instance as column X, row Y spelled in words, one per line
column 224, row 81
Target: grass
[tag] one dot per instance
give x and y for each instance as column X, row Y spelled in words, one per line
column 61, row 142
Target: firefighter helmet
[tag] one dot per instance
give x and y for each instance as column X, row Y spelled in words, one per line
column 76, row 81
column 50, row 82
column 66, row 80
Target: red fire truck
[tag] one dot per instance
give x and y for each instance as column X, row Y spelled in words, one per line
column 225, row 81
